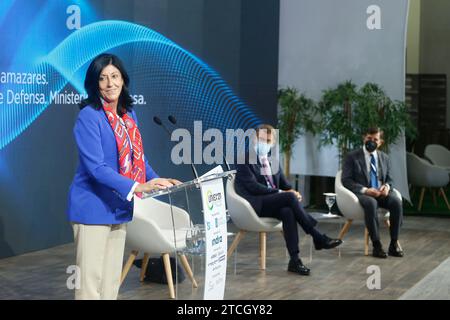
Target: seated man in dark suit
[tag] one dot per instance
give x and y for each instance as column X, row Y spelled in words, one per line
column 271, row 195
column 367, row 173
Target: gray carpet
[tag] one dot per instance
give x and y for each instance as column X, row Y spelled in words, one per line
column 435, row 285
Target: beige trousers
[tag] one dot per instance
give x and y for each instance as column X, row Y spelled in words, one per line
column 100, row 250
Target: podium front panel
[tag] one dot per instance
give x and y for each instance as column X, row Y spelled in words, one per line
column 200, row 237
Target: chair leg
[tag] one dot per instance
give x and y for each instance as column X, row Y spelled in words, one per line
column 433, row 193
column 345, row 228
column 422, row 193
column 167, row 268
column 445, row 197
column 188, row 270
column 235, row 242
column 144, row 266
column 366, row 242
column 262, row 249
column 260, row 240
column 413, row 192
column 128, row 265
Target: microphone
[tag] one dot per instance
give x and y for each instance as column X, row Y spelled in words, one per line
column 173, row 120
column 158, row 121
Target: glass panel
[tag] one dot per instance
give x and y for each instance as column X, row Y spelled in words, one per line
column 188, row 234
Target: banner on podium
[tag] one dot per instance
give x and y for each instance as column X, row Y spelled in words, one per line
column 213, row 201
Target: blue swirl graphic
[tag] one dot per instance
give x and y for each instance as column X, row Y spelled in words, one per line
column 171, row 78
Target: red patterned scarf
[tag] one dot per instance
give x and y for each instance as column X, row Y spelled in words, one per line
column 131, row 160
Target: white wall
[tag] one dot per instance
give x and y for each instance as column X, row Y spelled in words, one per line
column 325, row 42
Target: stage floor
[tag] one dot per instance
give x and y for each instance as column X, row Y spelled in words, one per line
column 335, row 274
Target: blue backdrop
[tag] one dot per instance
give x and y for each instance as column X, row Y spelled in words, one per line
column 198, row 60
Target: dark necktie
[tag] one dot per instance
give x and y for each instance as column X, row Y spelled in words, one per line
column 373, row 172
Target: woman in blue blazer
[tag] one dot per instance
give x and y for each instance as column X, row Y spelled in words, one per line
column 112, row 169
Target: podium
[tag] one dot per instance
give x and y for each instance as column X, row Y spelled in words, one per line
column 199, row 234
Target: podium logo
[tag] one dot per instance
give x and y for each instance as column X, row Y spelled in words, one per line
column 217, row 240
column 214, row 199
column 217, row 223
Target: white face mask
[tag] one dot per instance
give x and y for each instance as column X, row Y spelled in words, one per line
column 262, row 148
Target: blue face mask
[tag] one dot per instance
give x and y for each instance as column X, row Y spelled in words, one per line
column 262, row 148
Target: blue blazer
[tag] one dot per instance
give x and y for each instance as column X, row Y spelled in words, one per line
column 98, row 192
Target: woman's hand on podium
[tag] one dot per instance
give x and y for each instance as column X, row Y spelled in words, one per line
column 161, row 183
column 155, row 184
column 174, row 181
column 145, row 187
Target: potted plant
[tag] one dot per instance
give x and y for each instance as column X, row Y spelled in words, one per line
column 346, row 112
column 296, row 116
column 335, row 110
column 376, row 109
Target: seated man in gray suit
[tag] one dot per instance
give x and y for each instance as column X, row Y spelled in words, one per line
column 366, row 172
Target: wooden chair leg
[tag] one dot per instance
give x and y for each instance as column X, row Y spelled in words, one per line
column 433, row 193
column 345, row 228
column 366, row 242
column 144, row 266
column 422, row 193
column 260, row 241
column 413, row 192
column 235, row 242
column 167, row 268
column 445, row 198
column 262, row 249
column 128, row 265
column 188, row 270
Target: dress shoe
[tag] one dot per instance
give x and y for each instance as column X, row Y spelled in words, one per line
column 327, row 243
column 395, row 250
column 298, row 267
column 378, row 252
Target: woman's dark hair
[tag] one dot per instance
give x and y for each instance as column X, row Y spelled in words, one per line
column 92, row 88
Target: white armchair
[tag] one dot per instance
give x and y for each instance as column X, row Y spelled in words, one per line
column 438, row 155
column 151, row 231
column 425, row 175
column 352, row 210
column 246, row 219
